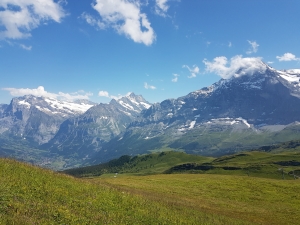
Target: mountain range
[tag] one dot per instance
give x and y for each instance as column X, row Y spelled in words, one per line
column 251, row 109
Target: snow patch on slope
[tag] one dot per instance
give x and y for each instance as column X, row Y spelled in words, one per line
column 192, row 124
column 68, row 107
column 146, row 105
column 230, row 121
column 25, row 103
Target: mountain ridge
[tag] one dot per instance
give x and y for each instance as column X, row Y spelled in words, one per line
column 97, row 125
column 256, row 106
column 240, row 106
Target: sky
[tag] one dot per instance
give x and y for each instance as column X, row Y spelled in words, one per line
column 160, row 49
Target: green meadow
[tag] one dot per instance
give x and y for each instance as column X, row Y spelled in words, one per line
column 283, row 165
column 32, row 195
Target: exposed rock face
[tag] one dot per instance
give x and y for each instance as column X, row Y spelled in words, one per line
column 245, row 111
column 86, row 133
column 271, row 97
column 245, row 105
column 37, row 118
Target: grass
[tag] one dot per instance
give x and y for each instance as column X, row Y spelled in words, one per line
column 242, row 199
column 153, row 163
column 31, row 195
column 254, row 163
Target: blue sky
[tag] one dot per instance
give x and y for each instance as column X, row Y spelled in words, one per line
column 160, row 49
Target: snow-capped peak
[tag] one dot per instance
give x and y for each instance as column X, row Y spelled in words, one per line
column 54, row 106
column 293, row 71
column 133, row 102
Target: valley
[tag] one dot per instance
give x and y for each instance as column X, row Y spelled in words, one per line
column 161, row 112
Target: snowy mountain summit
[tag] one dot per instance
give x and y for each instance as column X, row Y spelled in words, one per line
column 256, row 96
column 38, row 118
column 256, row 78
column 97, row 125
column 53, row 106
column 132, row 102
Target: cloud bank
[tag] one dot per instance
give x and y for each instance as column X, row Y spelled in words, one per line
column 19, row 17
column 288, row 57
column 41, row 92
column 125, row 17
column 236, row 67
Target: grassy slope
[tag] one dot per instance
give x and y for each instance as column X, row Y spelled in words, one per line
column 144, row 164
column 254, row 163
column 31, row 195
column 248, row 199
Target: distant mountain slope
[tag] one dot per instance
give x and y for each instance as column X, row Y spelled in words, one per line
column 84, row 135
column 257, row 106
column 37, row 118
column 246, row 111
column 2, row 109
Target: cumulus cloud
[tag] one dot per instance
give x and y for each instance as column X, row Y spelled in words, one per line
column 41, row 92
column 19, row 17
column 147, row 86
column 237, row 66
column 194, row 71
column 253, row 47
column 175, row 78
column 125, row 17
column 161, row 7
column 288, row 57
column 103, row 94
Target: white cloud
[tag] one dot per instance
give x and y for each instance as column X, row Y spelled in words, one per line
column 93, row 21
column 73, row 96
column 28, row 48
column 194, row 71
column 288, row 57
column 107, row 95
column 103, row 94
column 147, row 86
column 175, row 78
column 125, row 17
column 40, row 91
column 238, row 66
column 229, row 44
column 253, row 48
column 161, row 7
column 19, row 17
